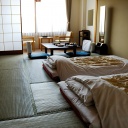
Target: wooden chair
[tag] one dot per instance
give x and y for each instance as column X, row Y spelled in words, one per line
column 66, row 38
column 29, row 39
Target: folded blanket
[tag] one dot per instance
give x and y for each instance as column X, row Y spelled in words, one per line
column 110, row 101
column 83, row 92
column 51, row 61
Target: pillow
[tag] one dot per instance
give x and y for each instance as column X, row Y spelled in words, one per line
column 81, row 91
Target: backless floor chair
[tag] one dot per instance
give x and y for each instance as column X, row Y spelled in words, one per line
column 86, row 48
column 40, row 55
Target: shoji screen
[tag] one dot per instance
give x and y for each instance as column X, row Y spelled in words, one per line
column 10, row 26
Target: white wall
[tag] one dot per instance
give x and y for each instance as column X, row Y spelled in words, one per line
column 91, row 4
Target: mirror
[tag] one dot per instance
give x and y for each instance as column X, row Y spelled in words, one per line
column 102, row 24
column 90, row 17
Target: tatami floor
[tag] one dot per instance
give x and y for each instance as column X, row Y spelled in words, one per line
column 29, row 98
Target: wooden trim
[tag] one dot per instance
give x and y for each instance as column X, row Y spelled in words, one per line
column 35, row 16
column 11, row 52
column 95, row 24
column 21, row 23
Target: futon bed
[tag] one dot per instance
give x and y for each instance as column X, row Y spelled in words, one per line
column 100, row 102
column 62, row 68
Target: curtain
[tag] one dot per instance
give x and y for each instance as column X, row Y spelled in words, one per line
column 47, row 17
column 28, row 16
column 68, row 11
column 51, row 17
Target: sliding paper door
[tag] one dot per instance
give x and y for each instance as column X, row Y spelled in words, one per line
column 10, row 27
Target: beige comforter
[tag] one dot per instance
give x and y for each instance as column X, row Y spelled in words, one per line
column 110, row 98
column 97, row 61
column 93, row 66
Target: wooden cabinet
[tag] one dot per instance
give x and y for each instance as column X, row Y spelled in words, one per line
column 84, row 34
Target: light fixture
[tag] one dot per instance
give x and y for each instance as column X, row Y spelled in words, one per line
column 38, row 0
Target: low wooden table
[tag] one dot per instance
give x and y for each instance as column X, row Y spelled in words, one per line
column 53, row 47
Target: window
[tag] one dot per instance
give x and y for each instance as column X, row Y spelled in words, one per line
column 47, row 16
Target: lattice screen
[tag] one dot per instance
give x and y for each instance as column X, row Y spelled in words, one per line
column 10, row 25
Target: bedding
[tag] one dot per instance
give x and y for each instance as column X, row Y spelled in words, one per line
column 90, row 65
column 88, row 114
column 107, row 94
column 97, row 61
column 50, row 71
column 49, row 65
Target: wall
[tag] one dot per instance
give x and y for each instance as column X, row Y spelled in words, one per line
column 83, row 14
column 118, row 27
column 75, row 19
column 91, row 4
column 117, row 35
column 79, row 17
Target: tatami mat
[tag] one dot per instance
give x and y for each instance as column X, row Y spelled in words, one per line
column 11, row 61
column 48, row 98
column 21, row 103
column 58, row 120
column 36, row 72
column 15, row 94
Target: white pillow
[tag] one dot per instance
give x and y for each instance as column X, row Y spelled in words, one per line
column 81, row 91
